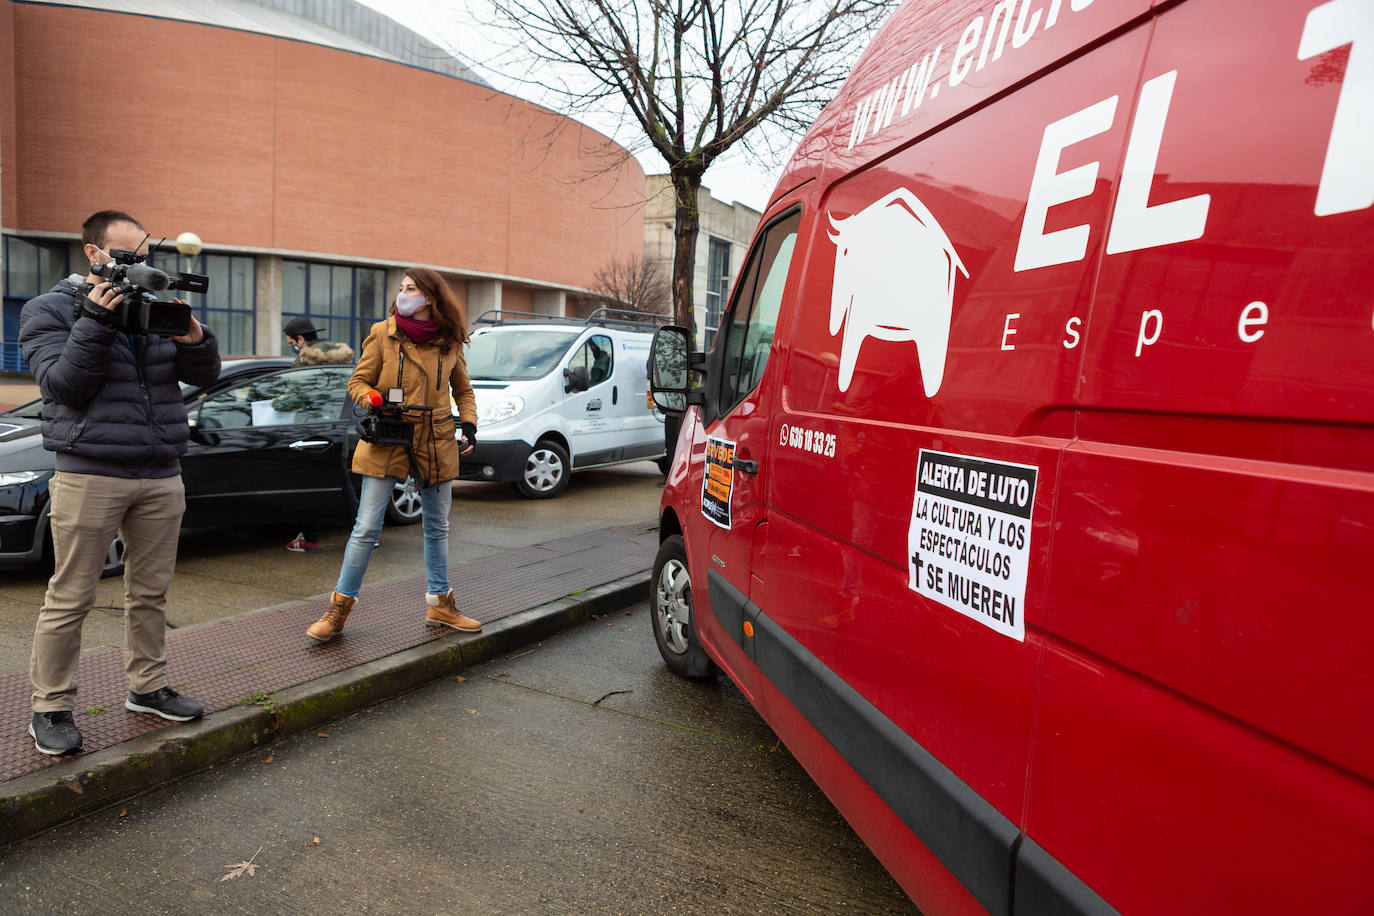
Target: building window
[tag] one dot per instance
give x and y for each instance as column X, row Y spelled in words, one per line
column 343, row 301
column 230, row 305
column 717, row 284
column 31, row 268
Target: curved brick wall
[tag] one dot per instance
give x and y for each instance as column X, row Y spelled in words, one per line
column 263, row 142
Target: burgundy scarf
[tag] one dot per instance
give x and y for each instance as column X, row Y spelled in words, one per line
column 416, row 330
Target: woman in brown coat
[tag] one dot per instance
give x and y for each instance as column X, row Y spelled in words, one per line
column 418, row 349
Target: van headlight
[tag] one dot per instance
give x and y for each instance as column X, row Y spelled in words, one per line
column 503, row 409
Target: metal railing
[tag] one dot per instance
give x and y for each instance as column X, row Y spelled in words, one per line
column 11, row 360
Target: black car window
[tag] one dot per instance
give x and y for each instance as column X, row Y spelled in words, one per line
column 310, row 394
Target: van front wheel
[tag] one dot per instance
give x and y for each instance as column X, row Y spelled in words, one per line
column 545, row 473
column 674, row 629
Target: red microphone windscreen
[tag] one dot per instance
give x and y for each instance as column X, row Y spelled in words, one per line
column 374, row 397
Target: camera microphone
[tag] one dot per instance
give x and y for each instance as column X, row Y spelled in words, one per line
column 373, row 397
column 145, row 277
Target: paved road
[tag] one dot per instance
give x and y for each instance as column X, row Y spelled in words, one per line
column 509, row 791
column 224, row 573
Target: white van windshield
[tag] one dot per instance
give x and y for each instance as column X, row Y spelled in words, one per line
column 517, row 354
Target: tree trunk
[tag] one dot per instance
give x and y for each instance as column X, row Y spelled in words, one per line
column 687, row 220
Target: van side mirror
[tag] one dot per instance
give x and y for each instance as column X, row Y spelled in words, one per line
column 670, row 368
column 575, row 379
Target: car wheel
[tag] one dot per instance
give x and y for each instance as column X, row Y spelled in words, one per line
column 114, row 559
column 404, row 506
column 674, row 626
column 545, row 474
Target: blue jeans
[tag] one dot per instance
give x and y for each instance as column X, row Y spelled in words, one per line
column 435, row 502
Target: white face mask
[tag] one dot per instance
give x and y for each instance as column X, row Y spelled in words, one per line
column 409, row 305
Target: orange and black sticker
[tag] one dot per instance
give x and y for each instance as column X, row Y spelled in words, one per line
column 718, row 483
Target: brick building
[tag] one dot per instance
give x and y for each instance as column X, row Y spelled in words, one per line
column 317, row 148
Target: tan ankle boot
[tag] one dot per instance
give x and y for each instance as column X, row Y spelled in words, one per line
column 442, row 613
column 332, row 623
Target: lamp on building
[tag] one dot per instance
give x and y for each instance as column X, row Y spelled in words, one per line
column 189, row 243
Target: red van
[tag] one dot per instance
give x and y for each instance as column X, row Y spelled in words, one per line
column 1028, row 490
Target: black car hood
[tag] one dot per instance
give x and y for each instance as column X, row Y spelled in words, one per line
column 21, row 445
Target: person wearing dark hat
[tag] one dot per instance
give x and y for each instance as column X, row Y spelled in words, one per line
column 304, row 338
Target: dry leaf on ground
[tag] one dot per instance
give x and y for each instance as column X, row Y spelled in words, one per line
column 239, row 868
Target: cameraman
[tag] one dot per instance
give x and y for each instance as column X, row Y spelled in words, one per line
column 112, row 411
column 417, row 352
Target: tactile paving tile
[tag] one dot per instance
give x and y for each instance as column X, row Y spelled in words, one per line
column 229, row 662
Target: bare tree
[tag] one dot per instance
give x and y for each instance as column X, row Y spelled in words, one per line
column 698, row 76
column 634, row 284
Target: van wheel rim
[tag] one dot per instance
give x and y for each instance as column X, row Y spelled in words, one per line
column 673, row 605
column 406, row 498
column 543, row 470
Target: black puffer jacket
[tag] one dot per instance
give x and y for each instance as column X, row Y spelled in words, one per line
column 111, row 404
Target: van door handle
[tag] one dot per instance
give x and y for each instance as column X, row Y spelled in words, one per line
column 615, row 394
column 747, row 466
column 309, row 445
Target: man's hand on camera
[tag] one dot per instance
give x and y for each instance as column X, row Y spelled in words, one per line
column 105, row 295
column 469, row 437
column 99, row 304
column 194, row 335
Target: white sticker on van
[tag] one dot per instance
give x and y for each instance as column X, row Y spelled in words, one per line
column 719, row 481
column 968, row 545
column 894, row 280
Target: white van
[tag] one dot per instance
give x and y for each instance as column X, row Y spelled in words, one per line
column 556, row 395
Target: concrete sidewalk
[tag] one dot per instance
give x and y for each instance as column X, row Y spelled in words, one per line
column 260, row 677
column 16, row 390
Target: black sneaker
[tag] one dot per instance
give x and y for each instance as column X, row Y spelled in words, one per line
column 166, row 703
column 54, row 733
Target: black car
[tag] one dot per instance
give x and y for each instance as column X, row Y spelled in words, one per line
column 270, row 443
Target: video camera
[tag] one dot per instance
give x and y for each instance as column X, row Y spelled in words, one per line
column 385, row 423
column 141, row 312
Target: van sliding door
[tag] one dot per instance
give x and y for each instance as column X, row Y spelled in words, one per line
column 926, row 408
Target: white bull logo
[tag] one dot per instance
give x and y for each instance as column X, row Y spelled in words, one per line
column 894, row 280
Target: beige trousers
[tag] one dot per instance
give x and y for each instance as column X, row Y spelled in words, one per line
column 87, row 511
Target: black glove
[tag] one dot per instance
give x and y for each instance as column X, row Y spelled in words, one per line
column 469, row 433
column 89, row 309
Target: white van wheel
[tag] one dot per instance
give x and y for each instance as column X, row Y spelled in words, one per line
column 545, row 474
column 674, row 631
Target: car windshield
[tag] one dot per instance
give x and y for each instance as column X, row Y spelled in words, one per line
column 517, row 354
column 33, row 409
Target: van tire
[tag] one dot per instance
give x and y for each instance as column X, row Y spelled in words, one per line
column 545, row 472
column 674, row 614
